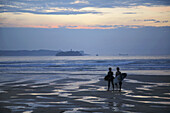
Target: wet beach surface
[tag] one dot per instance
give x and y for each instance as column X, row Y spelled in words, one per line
column 88, row 93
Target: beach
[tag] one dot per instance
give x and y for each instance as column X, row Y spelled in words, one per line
column 78, row 86
column 140, row 93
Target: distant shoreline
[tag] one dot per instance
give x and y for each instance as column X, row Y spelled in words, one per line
column 40, row 53
column 43, row 52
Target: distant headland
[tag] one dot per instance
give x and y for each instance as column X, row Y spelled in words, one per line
column 41, row 53
column 70, row 53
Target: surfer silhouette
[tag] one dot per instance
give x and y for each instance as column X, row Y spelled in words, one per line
column 110, row 78
column 118, row 75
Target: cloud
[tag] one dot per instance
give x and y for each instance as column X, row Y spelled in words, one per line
column 81, row 26
column 165, row 21
column 149, row 20
column 157, row 21
column 37, row 6
column 56, row 13
column 129, row 13
column 62, row 11
column 153, row 20
column 80, row 2
column 101, row 27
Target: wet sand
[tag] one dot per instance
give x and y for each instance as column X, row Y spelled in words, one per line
column 140, row 93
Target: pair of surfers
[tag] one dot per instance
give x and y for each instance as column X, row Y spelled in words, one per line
column 111, row 78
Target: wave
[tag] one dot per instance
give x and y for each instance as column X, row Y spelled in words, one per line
column 64, row 63
column 27, row 65
column 83, row 65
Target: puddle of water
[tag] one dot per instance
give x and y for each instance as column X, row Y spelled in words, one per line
column 61, row 90
column 16, row 108
column 64, row 94
column 115, row 107
column 28, row 111
column 1, row 91
column 92, row 99
column 13, row 100
column 146, row 87
column 18, row 85
column 38, row 86
column 127, row 105
column 79, row 110
column 126, row 92
column 133, row 81
column 60, row 102
column 52, row 83
column 142, row 88
column 4, row 101
column 101, row 88
column 141, row 96
column 151, row 83
column 93, row 87
column 33, row 105
column 167, row 93
column 37, row 94
column 58, row 92
column 150, row 102
column 42, row 97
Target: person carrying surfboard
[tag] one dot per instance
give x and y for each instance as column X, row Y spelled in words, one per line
column 119, row 77
column 110, row 78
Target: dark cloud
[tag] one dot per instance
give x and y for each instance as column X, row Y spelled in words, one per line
column 49, row 13
column 165, row 21
column 38, row 6
column 103, row 26
column 129, row 13
column 157, row 21
column 40, row 10
column 152, row 20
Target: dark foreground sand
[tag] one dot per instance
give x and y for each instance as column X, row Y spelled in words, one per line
column 140, row 93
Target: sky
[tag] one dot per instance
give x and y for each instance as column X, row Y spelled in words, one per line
column 104, row 27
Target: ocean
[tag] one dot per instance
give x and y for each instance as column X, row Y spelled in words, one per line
column 84, row 64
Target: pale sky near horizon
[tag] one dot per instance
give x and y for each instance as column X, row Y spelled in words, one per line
column 96, row 26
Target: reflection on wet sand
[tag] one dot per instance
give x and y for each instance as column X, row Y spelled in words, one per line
column 92, row 99
column 152, row 97
column 86, row 95
column 149, row 83
column 150, row 102
column 153, row 94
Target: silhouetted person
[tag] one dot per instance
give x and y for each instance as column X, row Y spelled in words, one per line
column 110, row 78
column 120, row 82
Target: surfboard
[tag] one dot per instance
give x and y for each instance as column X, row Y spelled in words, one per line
column 120, row 78
column 107, row 78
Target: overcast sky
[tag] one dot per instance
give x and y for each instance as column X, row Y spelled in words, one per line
column 104, row 27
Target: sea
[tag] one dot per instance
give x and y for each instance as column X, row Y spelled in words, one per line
column 46, row 68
